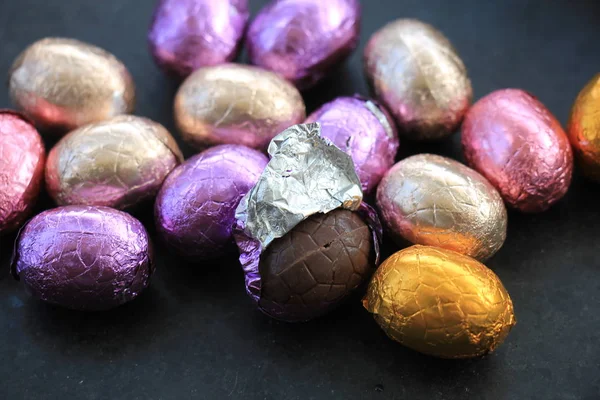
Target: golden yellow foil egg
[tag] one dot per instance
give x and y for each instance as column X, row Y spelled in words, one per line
column 584, row 128
column 440, row 303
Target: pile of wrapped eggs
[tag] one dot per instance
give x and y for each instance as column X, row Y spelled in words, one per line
column 284, row 189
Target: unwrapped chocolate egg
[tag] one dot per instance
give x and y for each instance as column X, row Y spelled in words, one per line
column 62, row 84
column 365, row 131
column 519, row 146
column 236, row 104
column 303, row 40
column 433, row 200
column 416, row 73
column 188, row 34
column 116, row 163
column 22, row 158
column 84, row 258
column 584, row 128
column 195, row 208
column 440, row 303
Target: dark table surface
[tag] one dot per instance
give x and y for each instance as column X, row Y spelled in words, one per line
column 195, row 333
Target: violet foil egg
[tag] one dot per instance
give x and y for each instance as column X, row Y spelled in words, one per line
column 116, row 163
column 365, row 131
column 84, row 258
column 22, row 158
column 303, row 40
column 520, row 147
column 195, row 208
column 188, row 34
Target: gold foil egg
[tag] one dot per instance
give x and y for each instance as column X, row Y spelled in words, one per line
column 115, row 163
column 440, row 303
column 236, row 104
column 435, row 201
column 584, row 128
column 62, row 84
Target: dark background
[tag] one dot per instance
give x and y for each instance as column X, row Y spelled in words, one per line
column 195, row 333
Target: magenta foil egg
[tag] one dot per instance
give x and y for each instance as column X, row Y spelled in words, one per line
column 303, row 40
column 519, row 146
column 83, row 257
column 195, row 208
column 365, row 131
column 188, row 34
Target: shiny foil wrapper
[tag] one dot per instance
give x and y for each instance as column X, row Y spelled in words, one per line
column 432, row 200
column 188, row 34
column 22, row 159
column 62, row 84
column 520, row 147
column 584, row 128
column 83, row 258
column 236, row 104
column 116, row 163
column 365, row 131
column 416, row 73
column 304, row 40
column 195, row 208
column 440, row 302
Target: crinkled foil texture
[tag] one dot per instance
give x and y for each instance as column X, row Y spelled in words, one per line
column 195, row 208
column 22, row 159
column 432, row 200
column 417, row 75
column 85, row 258
column 188, row 34
column 236, row 104
column 365, row 131
column 519, row 146
column 303, row 40
column 62, row 84
column 440, row 303
column 116, row 163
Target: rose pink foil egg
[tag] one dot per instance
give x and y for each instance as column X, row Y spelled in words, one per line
column 303, row 40
column 365, row 131
column 22, row 158
column 84, row 258
column 188, row 34
column 195, row 208
column 519, row 146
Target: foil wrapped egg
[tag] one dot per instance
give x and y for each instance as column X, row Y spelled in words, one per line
column 195, row 208
column 365, row 131
column 440, row 303
column 520, row 147
column 188, row 34
column 22, row 159
column 236, row 104
column 416, row 73
column 433, row 200
column 116, row 163
column 84, row 258
column 303, row 40
column 62, row 84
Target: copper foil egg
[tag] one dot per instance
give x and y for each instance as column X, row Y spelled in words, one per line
column 22, row 159
column 416, row 73
column 116, row 163
column 518, row 145
column 62, row 84
column 188, row 34
column 236, row 104
column 433, row 200
column 440, row 302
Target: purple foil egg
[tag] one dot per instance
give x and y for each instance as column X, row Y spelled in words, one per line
column 365, row 131
column 302, row 40
column 195, row 208
column 84, row 257
column 188, row 34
